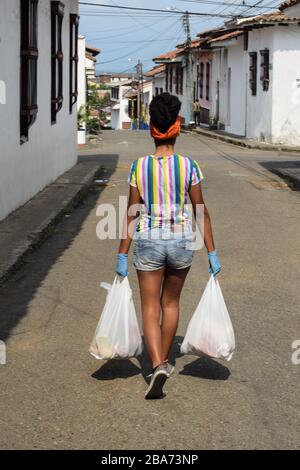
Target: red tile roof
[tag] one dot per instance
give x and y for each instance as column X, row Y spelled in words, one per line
column 224, row 37
column 155, row 71
column 170, row 55
column 277, row 17
column 210, row 32
column 288, row 4
column 94, row 51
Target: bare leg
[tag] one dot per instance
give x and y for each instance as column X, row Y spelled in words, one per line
column 150, row 288
column 170, row 296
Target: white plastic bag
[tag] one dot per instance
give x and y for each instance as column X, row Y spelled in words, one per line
column 117, row 335
column 210, row 330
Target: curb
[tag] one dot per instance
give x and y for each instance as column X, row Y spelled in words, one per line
column 37, row 237
column 246, row 144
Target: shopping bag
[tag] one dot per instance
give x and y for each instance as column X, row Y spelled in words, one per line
column 117, row 335
column 210, row 331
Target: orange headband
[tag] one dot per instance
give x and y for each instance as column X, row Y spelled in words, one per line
column 171, row 133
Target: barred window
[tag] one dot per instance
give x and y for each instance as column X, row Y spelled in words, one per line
column 253, row 73
column 177, row 81
column 265, row 69
column 167, row 79
column 201, row 79
column 74, row 24
column 57, row 15
column 171, row 80
column 29, row 59
column 207, row 81
column 180, row 80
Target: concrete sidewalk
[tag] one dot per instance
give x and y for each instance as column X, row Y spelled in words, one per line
column 28, row 226
column 243, row 142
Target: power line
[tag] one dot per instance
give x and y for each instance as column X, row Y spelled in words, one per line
column 178, row 12
column 134, row 51
column 215, row 2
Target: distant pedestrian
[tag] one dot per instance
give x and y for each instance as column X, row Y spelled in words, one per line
column 162, row 252
column 197, row 112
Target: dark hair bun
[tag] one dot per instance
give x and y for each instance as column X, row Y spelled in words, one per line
column 164, row 110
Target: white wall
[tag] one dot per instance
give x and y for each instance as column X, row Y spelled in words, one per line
column 51, row 150
column 236, row 92
column 159, row 81
column 259, row 108
column 90, row 66
column 286, row 87
column 115, row 118
column 81, row 72
column 219, row 74
column 119, row 114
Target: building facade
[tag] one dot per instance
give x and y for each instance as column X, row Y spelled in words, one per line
column 256, row 77
column 38, row 112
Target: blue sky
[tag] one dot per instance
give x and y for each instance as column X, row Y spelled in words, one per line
column 124, row 36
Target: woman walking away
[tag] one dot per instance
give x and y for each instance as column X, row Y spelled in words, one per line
column 160, row 184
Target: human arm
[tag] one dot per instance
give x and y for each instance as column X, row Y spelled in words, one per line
column 129, row 224
column 199, row 209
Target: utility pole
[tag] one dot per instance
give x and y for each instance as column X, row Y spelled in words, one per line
column 189, row 68
column 139, row 70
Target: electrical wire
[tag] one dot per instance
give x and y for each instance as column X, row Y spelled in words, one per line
column 215, row 2
column 131, row 52
column 150, row 10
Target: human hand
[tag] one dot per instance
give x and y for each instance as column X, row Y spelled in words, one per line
column 122, row 265
column 214, row 263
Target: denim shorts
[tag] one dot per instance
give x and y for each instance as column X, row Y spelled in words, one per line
column 153, row 253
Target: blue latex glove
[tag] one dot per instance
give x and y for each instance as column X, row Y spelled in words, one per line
column 122, row 265
column 215, row 265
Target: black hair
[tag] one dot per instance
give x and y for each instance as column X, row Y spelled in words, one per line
column 159, row 142
column 164, row 110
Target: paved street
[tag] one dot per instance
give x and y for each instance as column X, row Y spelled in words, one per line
column 53, row 394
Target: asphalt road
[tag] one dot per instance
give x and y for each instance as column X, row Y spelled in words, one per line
column 54, row 395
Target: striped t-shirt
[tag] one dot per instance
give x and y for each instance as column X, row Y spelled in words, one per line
column 163, row 184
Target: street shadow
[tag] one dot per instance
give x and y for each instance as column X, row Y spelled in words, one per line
column 206, row 368
column 19, row 290
column 289, row 171
column 117, row 369
column 122, row 369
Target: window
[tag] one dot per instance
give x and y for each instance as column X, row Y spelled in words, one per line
column 171, row 80
column 29, row 60
column 57, row 15
column 161, row 91
column 167, row 79
column 180, row 85
column 74, row 23
column 115, row 93
column 201, row 79
column 265, row 69
column 207, row 81
column 177, row 81
column 156, row 91
column 253, row 73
